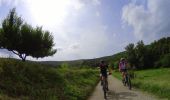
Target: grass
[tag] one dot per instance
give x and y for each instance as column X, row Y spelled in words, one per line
column 31, row 81
column 155, row 81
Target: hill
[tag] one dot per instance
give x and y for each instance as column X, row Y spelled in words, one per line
column 153, row 55
column 87, row 62
column 33, row 81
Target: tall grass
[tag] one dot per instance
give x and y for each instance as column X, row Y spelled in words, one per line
column 155, row 81
column 30, row 81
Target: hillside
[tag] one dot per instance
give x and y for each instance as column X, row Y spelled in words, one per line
column 65, row 80
column 153, row 55
column 86, row 62
column 31, row 81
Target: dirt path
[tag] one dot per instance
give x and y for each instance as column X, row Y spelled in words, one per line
column 119, row 92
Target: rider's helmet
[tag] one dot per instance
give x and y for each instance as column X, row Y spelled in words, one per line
column 102, row 61
column 122, row 59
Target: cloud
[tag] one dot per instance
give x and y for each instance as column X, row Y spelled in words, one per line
column 11, row 2
column 75, row 46
column 81, row 34
column 97, row 14
column 96, row 2
column 150, row 20
column 82, row 42
column 6, row 54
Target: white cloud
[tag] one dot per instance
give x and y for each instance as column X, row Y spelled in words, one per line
column 96, row 2
column 11, row 2
column 6, row 54
column 78, row 33
column 82, row 43
column 97, row 14
column 114, row 35
column 51, row 12
column 75, row 46
column 149, row 21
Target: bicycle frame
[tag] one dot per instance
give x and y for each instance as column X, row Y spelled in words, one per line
column 127, row 80
column 105, row 85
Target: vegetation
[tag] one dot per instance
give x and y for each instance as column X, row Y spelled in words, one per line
column 155, row 81
column 71, row 80
column 111, row 60
column 155, row 55
column 32, row 81
column 24, row 40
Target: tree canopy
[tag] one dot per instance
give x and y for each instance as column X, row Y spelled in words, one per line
column 157, row 54
column 23, row 39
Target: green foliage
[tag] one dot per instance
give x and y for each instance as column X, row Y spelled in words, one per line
column 138, row 55
column 29, row 80
column 116, row 65
column 164, row 61
column 24, row 40
column 155, row 81
column 161, row 46
column 132, row 56
column 148, row 56
column 64, row 66
column 32, row 81
column 79, row 84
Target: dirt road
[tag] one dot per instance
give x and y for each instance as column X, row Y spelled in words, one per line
column 119, row 92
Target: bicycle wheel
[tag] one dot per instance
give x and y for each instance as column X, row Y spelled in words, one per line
column 104, row 88
column 129, row 83
column 126, row 80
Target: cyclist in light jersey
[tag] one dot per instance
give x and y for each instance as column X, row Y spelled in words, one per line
column 122, row 67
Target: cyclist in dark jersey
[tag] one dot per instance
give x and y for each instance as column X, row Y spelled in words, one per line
column 103, row 70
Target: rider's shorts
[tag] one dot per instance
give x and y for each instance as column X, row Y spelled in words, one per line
column 123, row 70
column 104, row 73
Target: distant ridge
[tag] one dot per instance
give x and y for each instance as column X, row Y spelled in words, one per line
column 86, row 62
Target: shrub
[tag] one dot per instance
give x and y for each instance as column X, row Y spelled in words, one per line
column 164, row 61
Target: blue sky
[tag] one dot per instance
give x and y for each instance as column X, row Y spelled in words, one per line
column 84, row 29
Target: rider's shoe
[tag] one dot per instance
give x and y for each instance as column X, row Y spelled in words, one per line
column 122, row 80
column 107, row 89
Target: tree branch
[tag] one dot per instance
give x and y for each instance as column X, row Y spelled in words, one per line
column 15, row 53
column 25, row 56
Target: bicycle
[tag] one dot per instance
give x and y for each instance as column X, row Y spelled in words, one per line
column 105, row 86
column 127, row 80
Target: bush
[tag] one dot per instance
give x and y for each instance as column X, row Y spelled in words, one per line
column 116, row 65
column 164, row 61
column 32, row 81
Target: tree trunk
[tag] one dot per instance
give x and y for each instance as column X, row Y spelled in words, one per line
column 23, row 57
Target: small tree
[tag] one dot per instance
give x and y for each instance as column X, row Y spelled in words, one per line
column 131, row 54
column 142, row 55
column 24, row 40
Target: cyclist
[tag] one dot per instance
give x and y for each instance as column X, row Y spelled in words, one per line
column 123, row 67
column 103, row 70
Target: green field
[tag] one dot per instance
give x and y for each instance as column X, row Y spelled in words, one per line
column 32, row 81
column 156, row 81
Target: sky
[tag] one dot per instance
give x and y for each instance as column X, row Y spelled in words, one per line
column 85, row 29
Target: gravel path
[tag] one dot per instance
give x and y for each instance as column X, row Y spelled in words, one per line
column 119, row 92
